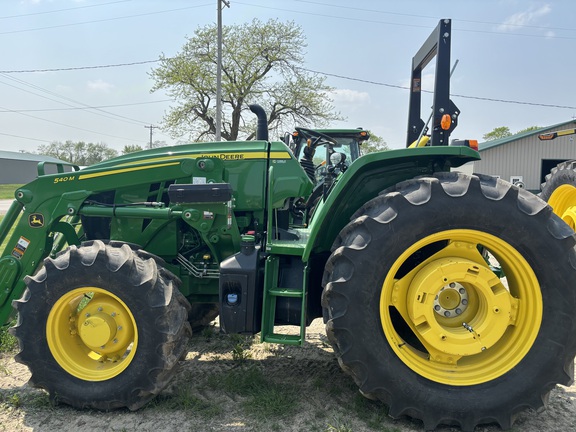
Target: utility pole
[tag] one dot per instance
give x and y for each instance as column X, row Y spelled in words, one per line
column 151, row 127
column 219, row 71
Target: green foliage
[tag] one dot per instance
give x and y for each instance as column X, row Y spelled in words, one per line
column 15, row 400
column 131, row 148
column 504, row 132
column 243, row 382
column 265, row 399
column 78, row 153
column 273, row 401
column 240, row 350
column 7, row 190
column 497, row 133
column 374, row 144
column 186, row 398
column 528, row 129
column 339, row 426
column 260, row 64
column 8, row 343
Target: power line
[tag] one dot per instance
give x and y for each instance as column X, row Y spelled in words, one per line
column 104, row 20
column 101, row 112
column 23, row 137
column 305, row 69
column 70, row 126
column 78, row 67
column 431, row 17
column 89, row 107
column 63, row 10
column 399, row 24
column 454, row 95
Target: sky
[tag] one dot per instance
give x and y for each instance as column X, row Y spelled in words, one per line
column 79, row 69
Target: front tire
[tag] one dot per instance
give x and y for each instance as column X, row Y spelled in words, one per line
column 102, row 326
column 421, row 320
column 559, row 190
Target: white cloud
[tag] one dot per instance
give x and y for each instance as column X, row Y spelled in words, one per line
column 527, row 17
column 350, row 97
column 100, row 85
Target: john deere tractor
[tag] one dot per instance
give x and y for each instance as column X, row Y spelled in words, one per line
column 448, row 297
column 559, row 189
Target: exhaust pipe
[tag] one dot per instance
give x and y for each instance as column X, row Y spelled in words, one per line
column 262, row 128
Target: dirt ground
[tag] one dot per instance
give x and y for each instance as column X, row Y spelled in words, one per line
column 305, row 391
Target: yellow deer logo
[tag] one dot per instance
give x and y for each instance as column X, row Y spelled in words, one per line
column 36, row 220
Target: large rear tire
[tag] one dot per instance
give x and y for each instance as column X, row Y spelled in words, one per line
column 420, row 319
column 102, row 326
column 559, row 190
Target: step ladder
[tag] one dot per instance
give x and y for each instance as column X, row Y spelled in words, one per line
column 272, row 291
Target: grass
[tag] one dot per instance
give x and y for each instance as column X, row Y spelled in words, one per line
column 10, row 232
column 8, row 343
column 262, row 395
column 263, row 398
column 7, row 190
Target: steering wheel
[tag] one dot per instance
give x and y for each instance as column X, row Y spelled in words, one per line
column 315, row 136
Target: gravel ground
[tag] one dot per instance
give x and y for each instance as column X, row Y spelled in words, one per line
column 319, row 396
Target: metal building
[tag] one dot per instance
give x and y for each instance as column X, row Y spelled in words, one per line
column 523, row 158
column 20, row 168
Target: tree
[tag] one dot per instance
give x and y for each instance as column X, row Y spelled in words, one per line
column 261, row 63
column 504, row 132
column 528, row 129
column 497, row 133
column 78, row 153
column 374, row 144
column 131, row 148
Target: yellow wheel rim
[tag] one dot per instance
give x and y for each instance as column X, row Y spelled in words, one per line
column 450, row 318
column 92, row 334
column 563, row 202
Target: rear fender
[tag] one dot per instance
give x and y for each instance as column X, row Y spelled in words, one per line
column 368, row 176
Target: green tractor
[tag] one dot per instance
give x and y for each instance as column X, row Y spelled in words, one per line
column 448, row 297
column 559, row 189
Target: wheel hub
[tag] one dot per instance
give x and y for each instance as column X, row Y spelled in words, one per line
column 451, row 301
column 97, row 330
column 439, row 295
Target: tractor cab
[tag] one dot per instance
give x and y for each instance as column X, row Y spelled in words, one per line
column 319, row 149
column 323, row 154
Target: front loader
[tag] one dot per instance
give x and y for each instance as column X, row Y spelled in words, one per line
column 449, row 297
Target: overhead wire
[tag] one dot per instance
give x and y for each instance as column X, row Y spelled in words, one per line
column 451, row 94
column 63, row 10
column 305, row 69
column 99, row 111
column 104, row 19
column 432, row 17
column 62, row 69
column 117, row 116
column 69, row 126
column 23, row 137
column 348, row 18
column 90, row 107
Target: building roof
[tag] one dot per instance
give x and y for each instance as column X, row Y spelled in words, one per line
column 27, row 157
column 501, row 141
